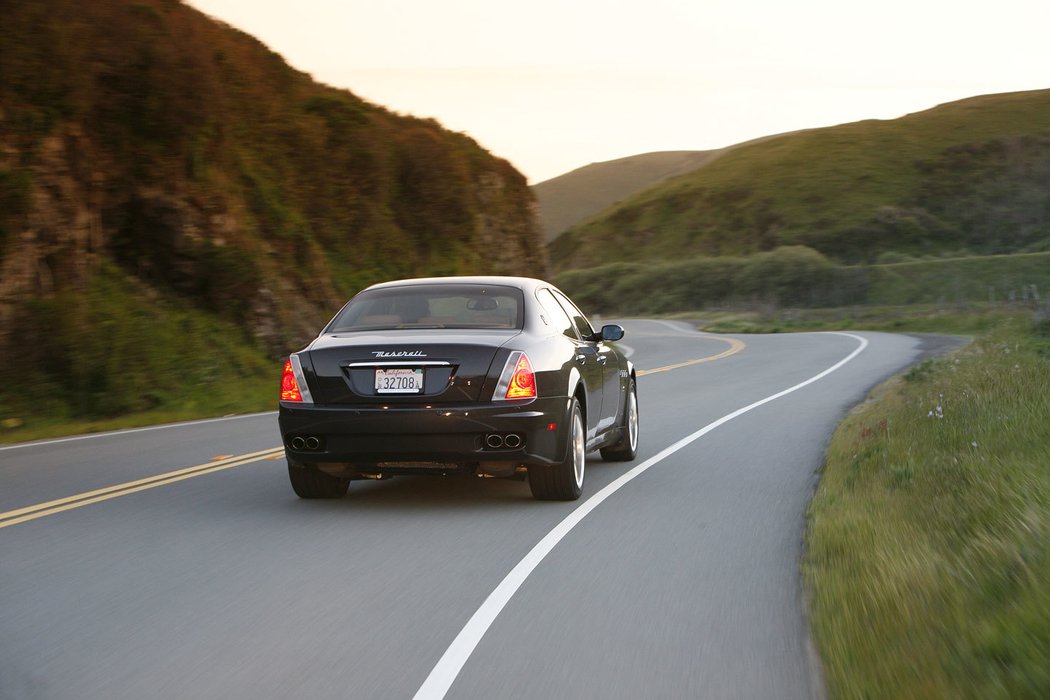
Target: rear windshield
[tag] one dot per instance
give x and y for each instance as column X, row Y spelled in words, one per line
column 431, row 306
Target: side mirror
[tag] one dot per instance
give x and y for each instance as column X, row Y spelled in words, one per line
column 612, row 332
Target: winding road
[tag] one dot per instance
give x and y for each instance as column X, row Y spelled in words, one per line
column 176, row 562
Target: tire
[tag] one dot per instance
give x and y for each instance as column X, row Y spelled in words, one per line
column 563, row 482
column 627, row 448
column 309, row 482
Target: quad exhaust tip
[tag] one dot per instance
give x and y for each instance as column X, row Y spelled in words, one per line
column 498, row 441
column 309, row 443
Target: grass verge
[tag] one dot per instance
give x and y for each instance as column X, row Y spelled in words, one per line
column 114, row 356
column 928, row 545
column 244, row 395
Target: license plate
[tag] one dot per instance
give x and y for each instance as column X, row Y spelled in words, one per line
column 399, row 381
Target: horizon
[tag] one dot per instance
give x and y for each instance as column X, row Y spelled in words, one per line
column 609, row 82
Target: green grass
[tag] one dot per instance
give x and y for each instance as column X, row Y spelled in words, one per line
column 240, row 396
column 568, row 199
column 928, row 547
column 978, row 278
column 136, row 360
column 795, row 276
column 950, row 319
column 969, row 174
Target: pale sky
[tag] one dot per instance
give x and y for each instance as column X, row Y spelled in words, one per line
column 554, row 85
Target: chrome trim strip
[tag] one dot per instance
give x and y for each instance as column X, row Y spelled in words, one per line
column 300, row 378
column 400, row 363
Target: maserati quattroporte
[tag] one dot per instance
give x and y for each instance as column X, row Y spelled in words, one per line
column 493, row 376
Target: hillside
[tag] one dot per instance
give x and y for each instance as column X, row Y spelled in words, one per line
column 568, row 199
column 968, row 176
column 158, row 167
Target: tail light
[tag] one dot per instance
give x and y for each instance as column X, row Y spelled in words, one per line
column 293, row 385
column 517, row 381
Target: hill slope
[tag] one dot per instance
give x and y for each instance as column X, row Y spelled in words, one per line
column 158, row 165
column 568, row 199
column 971, row 175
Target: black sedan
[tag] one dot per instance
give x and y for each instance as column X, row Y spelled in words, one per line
column 493, row 376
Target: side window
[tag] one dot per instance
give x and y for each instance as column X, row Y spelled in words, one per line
column 583, row 326
column 555, row 314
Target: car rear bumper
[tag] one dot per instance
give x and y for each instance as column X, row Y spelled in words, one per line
column 395, row 439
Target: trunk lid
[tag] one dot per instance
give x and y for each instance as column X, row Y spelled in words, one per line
column 452, row 366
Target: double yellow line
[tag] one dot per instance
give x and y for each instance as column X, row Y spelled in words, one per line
column 14, row 517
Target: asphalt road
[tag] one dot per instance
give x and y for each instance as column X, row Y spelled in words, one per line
column 682, row 583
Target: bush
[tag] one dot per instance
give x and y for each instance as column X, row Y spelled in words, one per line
column 111, row 350
column 801, row 277
column 793, row 275
column 789, row 276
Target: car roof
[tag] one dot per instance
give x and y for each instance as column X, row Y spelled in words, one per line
column 519, row 282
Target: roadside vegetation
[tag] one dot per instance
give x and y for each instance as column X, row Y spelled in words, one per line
column 138, row 360
column 928, row 547
column 967, row 176
column 800, row 277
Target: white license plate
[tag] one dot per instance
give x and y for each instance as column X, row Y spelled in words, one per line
column 399, row 381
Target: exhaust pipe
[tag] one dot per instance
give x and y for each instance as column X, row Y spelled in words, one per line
column 510, row 441
column 312, row 443
column 297, row 443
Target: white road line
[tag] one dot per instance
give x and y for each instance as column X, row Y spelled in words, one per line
column 455, row 657
column 89, row 436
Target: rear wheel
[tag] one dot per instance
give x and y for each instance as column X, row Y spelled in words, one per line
column 627, row 447
column 563, row 482
column 309, row 482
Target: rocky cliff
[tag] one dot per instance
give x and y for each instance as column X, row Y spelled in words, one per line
column 149, row 137
column 153, row 159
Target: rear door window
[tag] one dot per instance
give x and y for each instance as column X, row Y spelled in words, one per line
column 554, row 315
column 583, row 326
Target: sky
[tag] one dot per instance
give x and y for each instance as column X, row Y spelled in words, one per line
column 553, row 85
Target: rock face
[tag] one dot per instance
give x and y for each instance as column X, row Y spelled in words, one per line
column 61, row 228
column 148, row 141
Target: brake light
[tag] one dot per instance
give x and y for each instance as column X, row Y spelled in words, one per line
column 523, row 381
column 289, row 386
column 517, row 380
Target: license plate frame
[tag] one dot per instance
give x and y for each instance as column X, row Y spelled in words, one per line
column 399, row 380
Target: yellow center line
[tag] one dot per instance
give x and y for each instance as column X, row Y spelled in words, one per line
column 735, row 346
column 21, row 515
